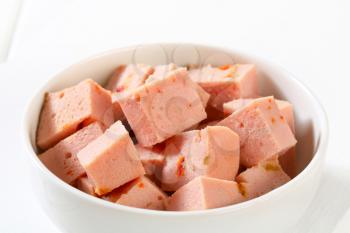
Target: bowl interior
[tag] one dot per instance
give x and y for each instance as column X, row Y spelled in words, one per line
column 273, row 81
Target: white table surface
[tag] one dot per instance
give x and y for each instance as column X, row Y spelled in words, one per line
column 9, row 12
column 309, row 38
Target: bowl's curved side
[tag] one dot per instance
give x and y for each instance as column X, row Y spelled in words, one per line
column 75, row 211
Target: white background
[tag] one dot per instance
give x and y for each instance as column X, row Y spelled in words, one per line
column 309, row 38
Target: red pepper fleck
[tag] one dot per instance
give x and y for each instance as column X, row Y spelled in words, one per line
column 270, row 100
column 180, row 171
column 282, row 118
column 241, row 125
column 137, row 98
column 69, row 173
column 160, row 198
column 141, row 185
column 273, row 120
column 120, row 89
column 68, row 155
column 224, row 67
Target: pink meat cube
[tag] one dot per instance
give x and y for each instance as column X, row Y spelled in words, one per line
column 140, row 193
column 152, row 159
column 162, row 108
column 213, row 151
column 62, row 159
column 162, row 71
column 84, row 184
column 262, row 129
column 262, row 178
column 111, row 160
column 129, row 77
column 126, row 78
column 64, row 112
column 205, row 193
column 227, row 82
column 288, row 159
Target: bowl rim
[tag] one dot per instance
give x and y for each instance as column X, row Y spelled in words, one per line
column 319, row 155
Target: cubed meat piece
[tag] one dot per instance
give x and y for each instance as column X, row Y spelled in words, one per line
column 227, row 82
column 139, row 193
column 288, row 159
column 64, row 112
column 213, row 151
column 84, row 184
column 152, row 159
column 62, row 159
column 263, row 131
column 111, row 160
column 205, row 193
column 126, row 78
column 262, row 178
column 129, row 77
column 162, row 108
column 162, row 71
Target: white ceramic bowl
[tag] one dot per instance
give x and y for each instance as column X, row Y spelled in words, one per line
column 74, row 211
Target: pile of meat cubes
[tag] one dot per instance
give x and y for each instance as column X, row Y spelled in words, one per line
column 169, row 138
